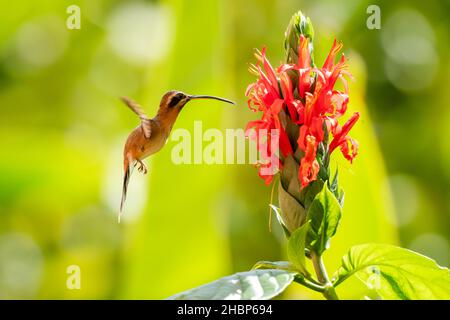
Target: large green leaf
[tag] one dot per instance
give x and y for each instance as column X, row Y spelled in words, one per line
column 251, row 285
column 395, row 273
column 324, row 214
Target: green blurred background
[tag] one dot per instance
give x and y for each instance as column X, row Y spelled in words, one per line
column 63, row 128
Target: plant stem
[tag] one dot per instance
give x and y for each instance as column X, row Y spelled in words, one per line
column 329, row 293
column 309, row 284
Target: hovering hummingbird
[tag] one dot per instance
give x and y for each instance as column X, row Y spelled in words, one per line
column 151, row 135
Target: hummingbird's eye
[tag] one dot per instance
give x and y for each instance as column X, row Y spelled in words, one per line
column 175, row 100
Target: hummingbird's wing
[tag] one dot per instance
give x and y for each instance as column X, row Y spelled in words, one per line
column 145, row 121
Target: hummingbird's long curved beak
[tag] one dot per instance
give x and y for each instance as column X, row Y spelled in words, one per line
column 211, row 97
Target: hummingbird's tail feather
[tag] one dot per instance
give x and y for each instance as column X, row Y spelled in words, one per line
column 126, row 180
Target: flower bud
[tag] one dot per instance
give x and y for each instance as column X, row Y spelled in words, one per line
column 298, row 25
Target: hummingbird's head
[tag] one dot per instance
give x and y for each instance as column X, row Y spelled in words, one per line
column 175, row 100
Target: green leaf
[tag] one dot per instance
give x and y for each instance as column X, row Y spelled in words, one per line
column 395, row 273
column 250, row 285
column 324, row 214
column 296, row 248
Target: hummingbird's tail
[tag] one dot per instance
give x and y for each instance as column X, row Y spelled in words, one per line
column 126, row 180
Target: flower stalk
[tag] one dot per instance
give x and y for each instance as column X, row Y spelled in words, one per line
column 319, row 267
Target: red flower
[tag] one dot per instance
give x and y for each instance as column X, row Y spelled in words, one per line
column 314, row 105
column 264, row 95
column 303, row 67
column 341, row 139
column 309, row 167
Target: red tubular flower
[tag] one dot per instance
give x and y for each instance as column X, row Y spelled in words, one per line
column 341, row 139
column 264, row 95
column 303, row 66
column 313, row 104
column 309, row 167
column 291, row 103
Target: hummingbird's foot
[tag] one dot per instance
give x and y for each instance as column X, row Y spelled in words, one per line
column 142, row 167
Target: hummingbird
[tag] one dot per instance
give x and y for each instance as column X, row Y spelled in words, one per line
column 151, row 134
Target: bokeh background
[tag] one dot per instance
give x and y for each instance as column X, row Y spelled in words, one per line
column 63, row 127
